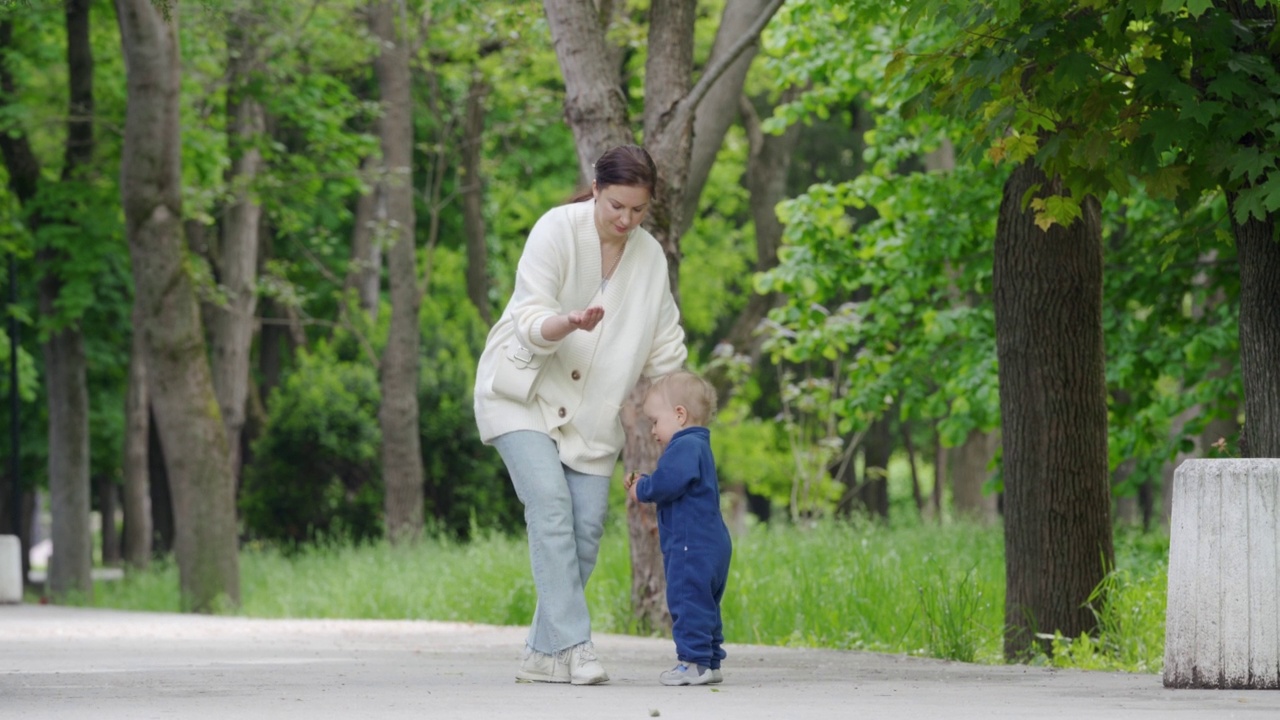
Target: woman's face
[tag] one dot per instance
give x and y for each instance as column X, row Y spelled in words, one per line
column 619, row 210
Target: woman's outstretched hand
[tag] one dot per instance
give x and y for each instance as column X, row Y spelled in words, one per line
column 586, row 319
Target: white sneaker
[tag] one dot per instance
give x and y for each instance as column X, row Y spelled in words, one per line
column 683, row 674
column 716, row 677
column 540, row 667
column 584, row 668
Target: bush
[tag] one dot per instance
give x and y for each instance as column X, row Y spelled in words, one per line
column 315, row 470
column 466, row 484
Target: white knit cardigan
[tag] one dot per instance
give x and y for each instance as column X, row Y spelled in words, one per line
column 588, row 374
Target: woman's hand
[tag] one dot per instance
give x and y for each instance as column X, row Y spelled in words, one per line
column 586, row 319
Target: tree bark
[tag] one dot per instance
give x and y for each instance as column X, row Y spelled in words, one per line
column 365, row 276
column 1048, row 305
column 232, row 323
column 1259, row 255
column 968, row 466
column 106, row 491
column 181, row 384
column 398, row 415
column 160, row 496
column 471, row 186
column 877, row 448
column 594, row 105
column 136, row 498
column 648, row 579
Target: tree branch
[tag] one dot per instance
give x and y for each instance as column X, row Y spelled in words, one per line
column 713, row 73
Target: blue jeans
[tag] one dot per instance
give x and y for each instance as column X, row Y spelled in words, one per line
column 564, row 512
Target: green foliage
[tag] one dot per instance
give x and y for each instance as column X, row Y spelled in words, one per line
column 315, row 468
column 467, row 486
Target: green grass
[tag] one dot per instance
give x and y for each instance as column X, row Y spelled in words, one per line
column 917, row 589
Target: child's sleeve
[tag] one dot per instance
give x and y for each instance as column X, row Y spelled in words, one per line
column 676, row 472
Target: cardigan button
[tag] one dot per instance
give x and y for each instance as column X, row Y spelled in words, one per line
column 562, row 412
column 575, row 375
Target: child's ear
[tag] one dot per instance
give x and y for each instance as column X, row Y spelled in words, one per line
column 682, row 415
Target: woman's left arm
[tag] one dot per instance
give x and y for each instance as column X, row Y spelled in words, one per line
column 668, row 352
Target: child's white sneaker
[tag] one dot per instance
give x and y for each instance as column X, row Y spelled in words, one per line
column 683, row 674
column 716, row 677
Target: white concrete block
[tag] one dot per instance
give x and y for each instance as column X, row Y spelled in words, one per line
column 10, row 569
column 1222, row 625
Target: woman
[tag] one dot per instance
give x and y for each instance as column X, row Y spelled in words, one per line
column 591, row 312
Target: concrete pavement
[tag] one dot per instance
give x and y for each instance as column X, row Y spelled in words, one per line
column 58, row 662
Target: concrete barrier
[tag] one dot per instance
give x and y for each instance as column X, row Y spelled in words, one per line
column 1222, row 626
column 10, row 569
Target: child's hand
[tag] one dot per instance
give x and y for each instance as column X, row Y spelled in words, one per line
column 629, row 482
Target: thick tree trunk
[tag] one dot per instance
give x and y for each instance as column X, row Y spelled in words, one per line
column 136, row 498
column 401, row 437
column 180, row 381
column 594, row 105
column 472, row 190
column 232, row 324
column 1259, row 255
column 1048, row 305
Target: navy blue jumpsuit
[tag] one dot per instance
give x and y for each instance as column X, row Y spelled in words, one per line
column 695, row 543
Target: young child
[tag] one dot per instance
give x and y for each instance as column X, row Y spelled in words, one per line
column 695, row 541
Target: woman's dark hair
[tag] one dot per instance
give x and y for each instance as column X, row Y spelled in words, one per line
column 623, row 165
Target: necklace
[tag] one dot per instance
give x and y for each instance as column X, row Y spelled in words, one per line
column 604, row 281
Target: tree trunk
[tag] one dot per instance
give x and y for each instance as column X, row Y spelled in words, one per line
column 768, row 164
column 365, row 275
column 160, row 498
column 1057, row 503
column 401, row 436
column 471, row 186
column 969, row 467
column 877, row 448
column 717, row 111
column 181, row 384
column 594, row 106
column 136, row 500
column 232, row 324
column 70, row 568
column 1259, row 256
column 65, row 365
column 106, row 491
column 648, row 580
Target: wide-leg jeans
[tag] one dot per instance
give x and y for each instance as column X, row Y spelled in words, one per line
column 564, row 513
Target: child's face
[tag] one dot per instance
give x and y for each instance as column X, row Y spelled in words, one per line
column 667, row 420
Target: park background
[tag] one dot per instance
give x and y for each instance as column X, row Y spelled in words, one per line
column 971, row 281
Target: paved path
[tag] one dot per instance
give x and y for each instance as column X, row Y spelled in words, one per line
column 60, row 662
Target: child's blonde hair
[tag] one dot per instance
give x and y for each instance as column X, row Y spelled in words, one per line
column 690, row 390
